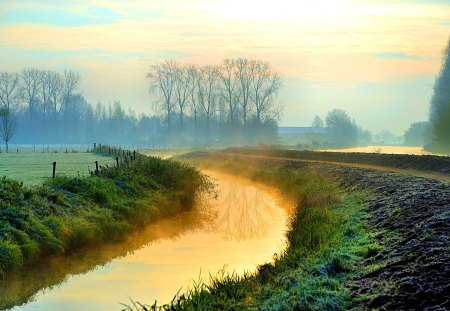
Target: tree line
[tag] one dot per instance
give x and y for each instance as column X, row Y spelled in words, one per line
column 234, row 101
column 231, row 103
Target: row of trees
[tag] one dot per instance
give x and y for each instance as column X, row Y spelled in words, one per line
column 233, row 103
column 340, row 130
column 36, row 94
column 239, row 97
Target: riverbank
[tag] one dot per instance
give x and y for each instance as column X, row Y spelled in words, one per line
column 68, row 213
column 361, row 238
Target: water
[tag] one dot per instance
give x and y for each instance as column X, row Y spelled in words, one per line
column 240, row 230
column 385, row 149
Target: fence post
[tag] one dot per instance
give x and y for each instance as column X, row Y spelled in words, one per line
column 54, row 170
column 96, row 168
column 134, row 155
column 95, row 145
column 117, row 161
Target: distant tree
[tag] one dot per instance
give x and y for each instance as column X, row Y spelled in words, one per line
column 244, row 75
column 264, row 87
column 31, row 81
column 183, row 89
column 162, row 79
column 440, row 105
column 10, row 96
column 416, row 135
column 317, row 122
column 229, row 87
column 8, row 125
column 341, row 130
column 364, row 136
column 209, row 77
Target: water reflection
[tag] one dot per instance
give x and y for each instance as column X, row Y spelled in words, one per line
column 244, row 227
column 23, row 285
column 243, row 211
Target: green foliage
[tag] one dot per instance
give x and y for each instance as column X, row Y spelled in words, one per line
column 71, row 212
column 418, row 134
column 442, row 130
column 341, row 130
column 440, row 106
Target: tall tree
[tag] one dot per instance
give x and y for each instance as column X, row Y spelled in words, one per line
column 162, row 79
column 183, row 89
column 341, row 129
column 209, row 76
column 31, row 81
column 440, row 104
column 10, row 96
column 317, row 122
column 244, row 75
column 265, row 85
column 229, row 87
column 194, row 78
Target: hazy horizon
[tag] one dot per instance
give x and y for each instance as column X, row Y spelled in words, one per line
column 365, row 58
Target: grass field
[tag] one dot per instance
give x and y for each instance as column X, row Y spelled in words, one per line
column 35, row 167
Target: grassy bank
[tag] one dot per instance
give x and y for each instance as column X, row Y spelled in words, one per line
column 327, row 241
column 67, row 213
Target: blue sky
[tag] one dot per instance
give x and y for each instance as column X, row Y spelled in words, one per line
column 367, row 57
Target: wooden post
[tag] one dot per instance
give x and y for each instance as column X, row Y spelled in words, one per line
column 54, row 170
column 96, row 168
column 117, row 161
column 134, row 155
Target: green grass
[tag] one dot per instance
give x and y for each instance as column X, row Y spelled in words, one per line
column 327, row 239
column 67, row 213
column 33, row 168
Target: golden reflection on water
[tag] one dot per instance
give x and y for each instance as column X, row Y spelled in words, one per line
column 243, row 228
column 384, row 149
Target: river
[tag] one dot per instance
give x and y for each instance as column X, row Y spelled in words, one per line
column 400, row 149
column 240, row 230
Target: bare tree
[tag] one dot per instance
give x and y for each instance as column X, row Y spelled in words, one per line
column 10, row 95
column 265, row 85
column 183, row 89
column 71, row 82
column 31, row 80
column 194, row 85
column 8, row 125
column 229, row 87
column 209, row 76
column 54, row 82
column 162, row 80
column 44, row 91
column 244, row 75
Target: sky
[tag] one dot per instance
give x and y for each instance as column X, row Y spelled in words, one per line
column 375, row 59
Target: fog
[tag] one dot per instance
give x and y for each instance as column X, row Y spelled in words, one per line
column 211, row 76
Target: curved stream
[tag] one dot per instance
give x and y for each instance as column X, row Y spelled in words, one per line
column 240, row 230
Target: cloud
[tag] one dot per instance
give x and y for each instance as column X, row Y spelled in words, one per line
column 394, row 55
column 61, row 18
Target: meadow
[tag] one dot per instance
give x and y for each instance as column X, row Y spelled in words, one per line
column 34, row 167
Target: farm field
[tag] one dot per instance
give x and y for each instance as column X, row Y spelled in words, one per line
column 33, row 168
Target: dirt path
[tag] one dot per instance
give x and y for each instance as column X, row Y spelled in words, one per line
column 425, row 174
